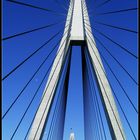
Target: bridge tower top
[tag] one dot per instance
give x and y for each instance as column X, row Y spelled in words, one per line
column 77, row 30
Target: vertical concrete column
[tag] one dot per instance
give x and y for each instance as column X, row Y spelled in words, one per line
column 39, row 123
column 108, row 101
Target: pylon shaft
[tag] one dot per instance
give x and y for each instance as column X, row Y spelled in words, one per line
column 108, row 102
column 53, row 79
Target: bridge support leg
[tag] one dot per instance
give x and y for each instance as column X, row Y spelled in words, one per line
column 106, row 95
column 53, row 79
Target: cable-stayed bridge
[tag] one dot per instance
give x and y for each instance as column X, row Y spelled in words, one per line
column 36, row 102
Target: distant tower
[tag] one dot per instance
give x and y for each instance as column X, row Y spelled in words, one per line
column 72, row 136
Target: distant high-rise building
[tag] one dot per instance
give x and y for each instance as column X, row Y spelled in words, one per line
column 72, row 136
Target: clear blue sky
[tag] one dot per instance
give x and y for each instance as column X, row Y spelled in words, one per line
column 17, row 19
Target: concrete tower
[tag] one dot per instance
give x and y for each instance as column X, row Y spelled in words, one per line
column 77, row 31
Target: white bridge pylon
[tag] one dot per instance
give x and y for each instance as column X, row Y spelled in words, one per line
column 76, row 31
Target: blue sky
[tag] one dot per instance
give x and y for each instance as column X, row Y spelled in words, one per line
column 17, row 19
